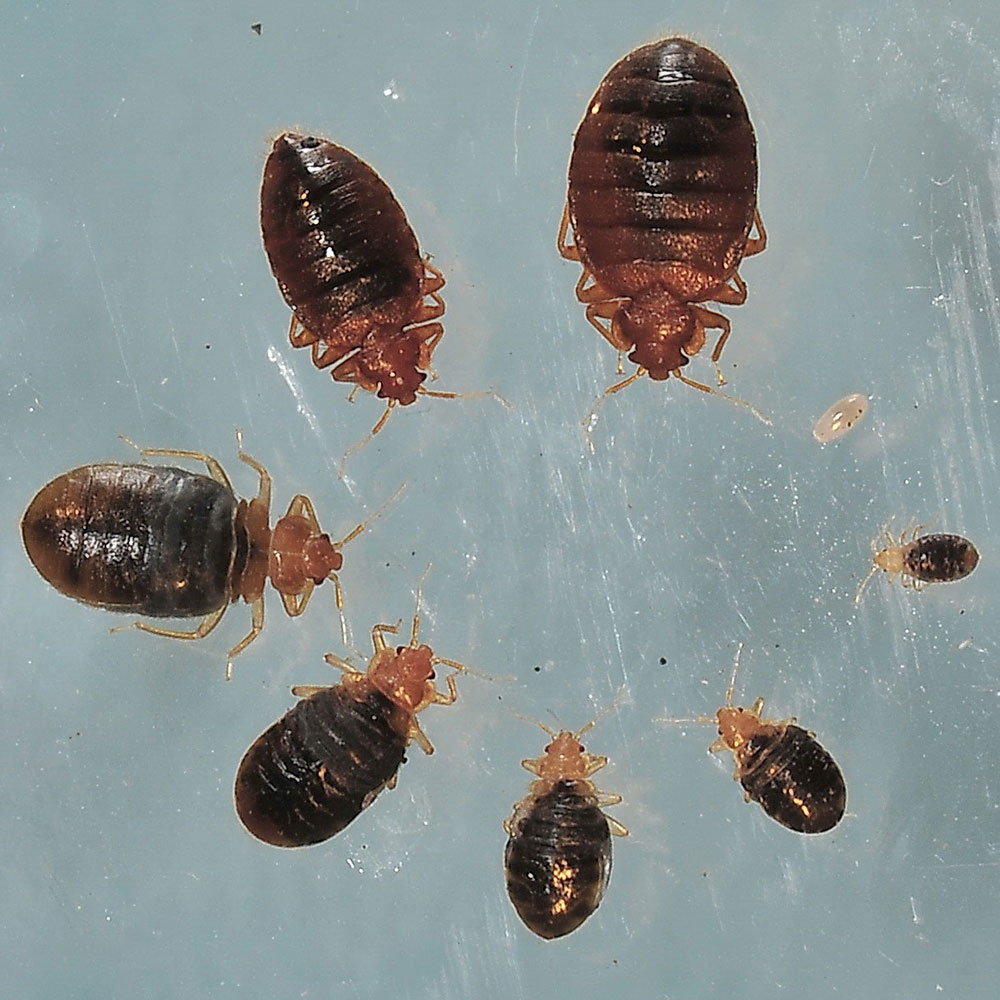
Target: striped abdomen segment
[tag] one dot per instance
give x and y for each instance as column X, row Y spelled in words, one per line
column 149, row 539
column 664, row 168
column 339, row 245
column 558, row 858
column 940, row 558
column 311, row 773
column 793, row 778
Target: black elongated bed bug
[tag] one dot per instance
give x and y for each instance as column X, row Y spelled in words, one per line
column 662, row 197
column 305, row 778
column 780, row 766
column 166, row 542
column 557, row 861
column 922, row 559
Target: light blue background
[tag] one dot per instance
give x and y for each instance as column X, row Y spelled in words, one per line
column 135, row 299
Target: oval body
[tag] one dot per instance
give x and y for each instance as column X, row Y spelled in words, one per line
column 348, row 265
column 840, row 417
column 558, row 857
column 310, row 774
column 939, row 558
column 663, row 175
column 794, row 779
column 153, row 540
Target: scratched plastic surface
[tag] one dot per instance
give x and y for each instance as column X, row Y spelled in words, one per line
column 135, row 298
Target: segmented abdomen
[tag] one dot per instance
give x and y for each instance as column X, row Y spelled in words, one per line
column 794, row 779
column 558, row 858
column 149, row 539
column 940, row 558
column 311, row 773
column 339, row 245
column 664, row 168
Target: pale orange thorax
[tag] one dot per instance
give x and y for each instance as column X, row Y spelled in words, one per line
column 405, row 675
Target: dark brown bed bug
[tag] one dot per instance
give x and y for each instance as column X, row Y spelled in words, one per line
column 325, row 760
column 780, row 766
column 558, row 856
column 922, row 559
column 347, row 262
column 170, row 543
column 662, row 199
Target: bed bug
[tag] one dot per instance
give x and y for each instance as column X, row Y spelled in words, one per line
column 662, row 199
column 922, row 559
column 557, row 860
column 315, row 770
column 781, row 766
column 347, row 262
column 840, row 417
column 166, row 542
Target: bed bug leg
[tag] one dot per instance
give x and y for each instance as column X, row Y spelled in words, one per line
column 567, row 250
column 215, row 469
column 204, row 627
column 757, row 243
column 256, row 625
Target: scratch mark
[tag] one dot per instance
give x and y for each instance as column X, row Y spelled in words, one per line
column 116, row 327
column 868, row 165
column 293, row 385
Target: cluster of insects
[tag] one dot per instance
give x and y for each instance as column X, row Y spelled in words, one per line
column 662, row 207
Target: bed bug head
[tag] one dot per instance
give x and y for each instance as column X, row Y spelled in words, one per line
column 300, row 555
column 663, row 330
column 403, row 674
column 737, row 725
column 389, row 366
column 565, row 756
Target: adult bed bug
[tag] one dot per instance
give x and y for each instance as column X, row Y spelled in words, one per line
column 662, row 197
column 557, row 861
column 348, row 264
column 170, row 543
column 780, row 766
column 324, row 761
column 922, row 559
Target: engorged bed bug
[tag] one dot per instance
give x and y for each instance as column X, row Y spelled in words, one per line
column 166, row 542
column 324, row 761
column 348, row 264
column 662, row 198
column 922, row 559
column 557, row 861
column 780, row 765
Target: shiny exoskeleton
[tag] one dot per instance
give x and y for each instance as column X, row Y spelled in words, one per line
column 558, row 856
column 662, row 198
column 349, row 267
column 784, row 768
column 170, row 543
column 922, row 559
column 325, row 760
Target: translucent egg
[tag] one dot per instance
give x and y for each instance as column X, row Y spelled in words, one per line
column 840, row 418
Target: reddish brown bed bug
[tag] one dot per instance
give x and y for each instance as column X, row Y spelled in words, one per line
column 348, row 264
column 780, row 765
column 922, row 559
column 170, row 543
column 325, row 760
column 557, row 861
column 662, row 198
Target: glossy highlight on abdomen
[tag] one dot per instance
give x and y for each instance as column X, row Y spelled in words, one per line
column 793, row 778
column 154, row 540
column 558, row 858
column 664, row 170
column 311, row 773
